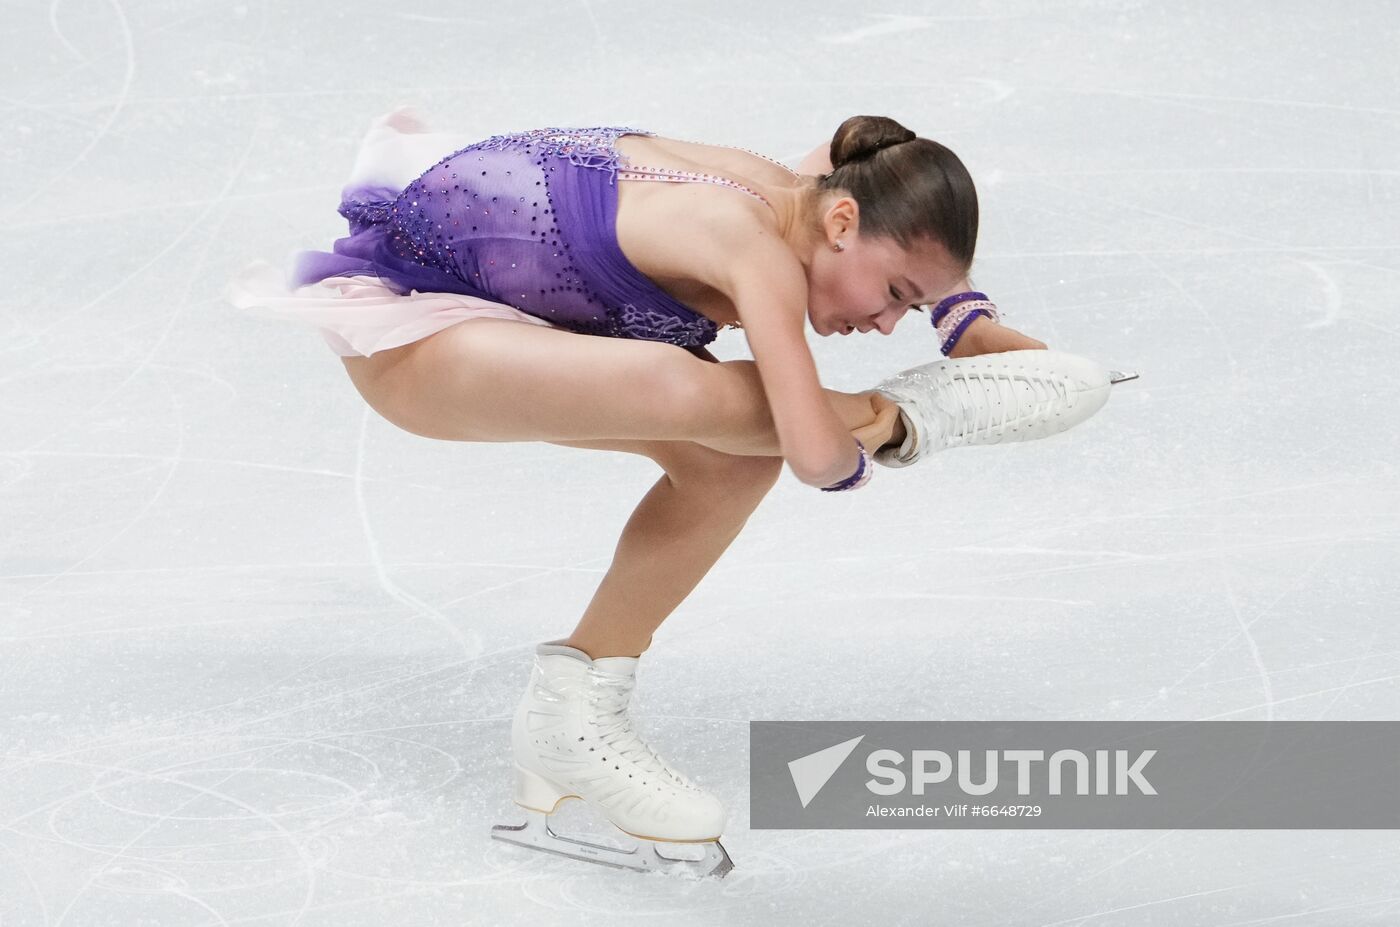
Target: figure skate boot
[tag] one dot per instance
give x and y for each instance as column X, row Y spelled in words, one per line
column 993, row 399
column 572, row 738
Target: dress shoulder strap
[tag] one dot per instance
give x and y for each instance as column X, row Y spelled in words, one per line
column 668, row 175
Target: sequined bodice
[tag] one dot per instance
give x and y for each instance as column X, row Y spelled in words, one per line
column 529, row 219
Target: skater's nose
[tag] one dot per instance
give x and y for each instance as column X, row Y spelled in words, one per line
column 885, row 321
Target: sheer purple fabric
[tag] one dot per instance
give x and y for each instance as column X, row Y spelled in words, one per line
column 527, row 219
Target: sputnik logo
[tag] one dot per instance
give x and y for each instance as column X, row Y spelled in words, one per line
column 811, row 772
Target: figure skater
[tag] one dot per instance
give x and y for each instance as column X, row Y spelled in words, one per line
column 594, row 265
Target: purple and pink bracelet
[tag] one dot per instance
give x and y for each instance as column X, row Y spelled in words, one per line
column 953, row 315
column 857, row 479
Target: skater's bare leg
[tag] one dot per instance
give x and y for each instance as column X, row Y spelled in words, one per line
column 682, row 526
column 501, row 380
column 871, row 417
column 707, row 424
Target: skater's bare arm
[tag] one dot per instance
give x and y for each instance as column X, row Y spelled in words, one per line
column 982, row 335
column 768, row 287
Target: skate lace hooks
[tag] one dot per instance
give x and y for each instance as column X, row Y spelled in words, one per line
column 611, row 695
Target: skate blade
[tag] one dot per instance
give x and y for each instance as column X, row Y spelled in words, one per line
column 1118, row 376
column 646, row 856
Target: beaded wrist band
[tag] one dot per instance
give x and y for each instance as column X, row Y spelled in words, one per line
column 948, row 303
column 857, row 479
column 955, row 314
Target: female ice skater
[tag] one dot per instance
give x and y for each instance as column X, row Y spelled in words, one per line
column 594, row 265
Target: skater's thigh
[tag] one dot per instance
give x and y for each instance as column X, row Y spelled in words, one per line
column 502, row 380
column 689, row 463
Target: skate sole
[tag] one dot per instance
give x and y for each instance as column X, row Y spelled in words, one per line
column 622, row 830
column 536, row 834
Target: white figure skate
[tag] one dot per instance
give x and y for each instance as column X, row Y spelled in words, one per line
column 993, row 399
column 572, row 738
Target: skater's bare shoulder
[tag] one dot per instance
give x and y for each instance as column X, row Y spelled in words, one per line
column 740, row 252
column 729, row 257
column 687, row 240
column 755, row 267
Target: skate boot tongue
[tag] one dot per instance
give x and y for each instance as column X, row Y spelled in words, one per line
column 615, row 678
column 618, row 666
column 560, row 649
column 608, row 683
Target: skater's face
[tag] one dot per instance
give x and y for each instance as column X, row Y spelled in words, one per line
column 871, row 282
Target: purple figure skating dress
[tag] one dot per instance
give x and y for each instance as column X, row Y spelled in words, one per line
column 516, row 226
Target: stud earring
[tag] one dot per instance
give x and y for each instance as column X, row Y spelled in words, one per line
column 838, row 246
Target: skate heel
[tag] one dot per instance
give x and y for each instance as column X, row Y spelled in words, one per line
column 534, row 791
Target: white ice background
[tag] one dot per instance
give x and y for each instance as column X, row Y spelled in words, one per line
column 258, row 648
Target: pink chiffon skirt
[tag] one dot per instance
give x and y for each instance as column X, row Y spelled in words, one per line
column 359, row 315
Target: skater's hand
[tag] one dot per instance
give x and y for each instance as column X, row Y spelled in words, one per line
column 983, row 336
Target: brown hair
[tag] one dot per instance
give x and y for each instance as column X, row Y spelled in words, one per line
column 907, row 187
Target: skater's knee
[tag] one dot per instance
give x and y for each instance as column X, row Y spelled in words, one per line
column 752, row 472
column 743, row 480
column 729, row 476
column 707, row 400
column 687, row 390
column 733, row 398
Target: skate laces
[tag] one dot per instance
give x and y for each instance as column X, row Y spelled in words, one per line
column 967, row 412
column 610, row 697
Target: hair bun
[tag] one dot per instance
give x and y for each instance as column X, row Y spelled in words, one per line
column 861, row 137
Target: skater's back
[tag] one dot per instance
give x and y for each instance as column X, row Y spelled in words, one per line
column 537, row 220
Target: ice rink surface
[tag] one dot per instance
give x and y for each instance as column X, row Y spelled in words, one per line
column 259, row 648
